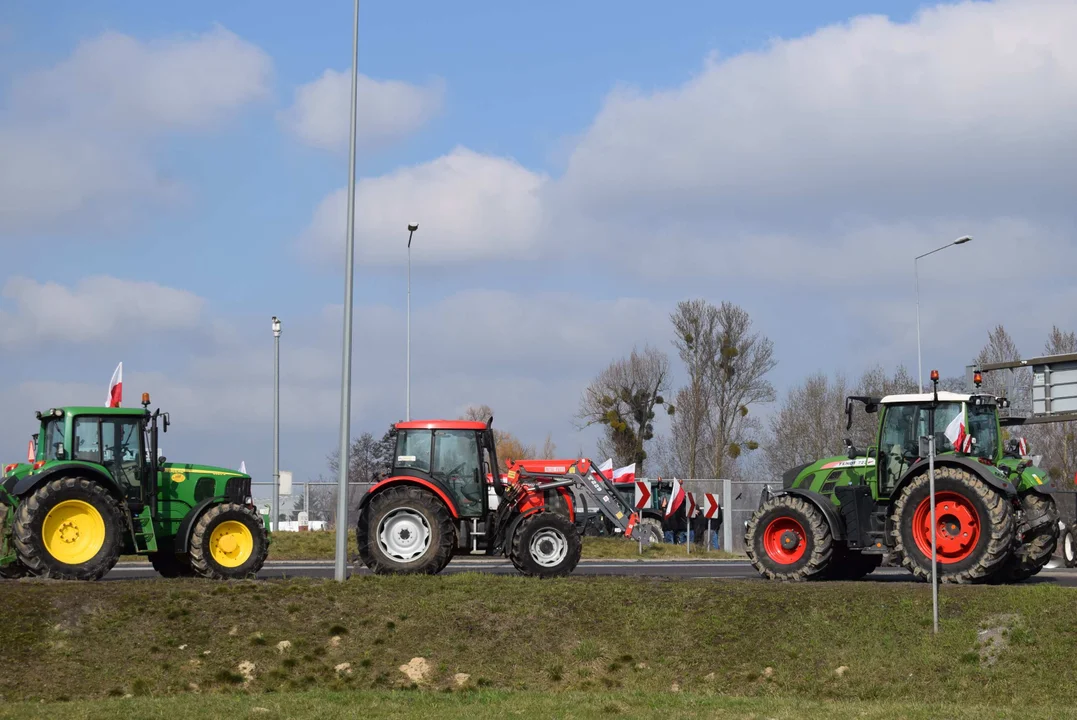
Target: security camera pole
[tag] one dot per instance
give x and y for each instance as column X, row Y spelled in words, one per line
column 412, row 227
column 340, row 570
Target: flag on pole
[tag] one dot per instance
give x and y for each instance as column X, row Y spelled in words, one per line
column 676, row 498
column 955, row 433
column 606, row 469
column 115, row 387
column 30, row 452
column 243, row 467
column 625, row 474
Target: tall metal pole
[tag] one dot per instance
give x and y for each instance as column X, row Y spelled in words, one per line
column 275, row 519
column 934, row 524
column 412, row 227
column 916, row 271
column 340, row 571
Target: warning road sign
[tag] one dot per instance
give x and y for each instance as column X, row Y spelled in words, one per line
column 710, row 505
column 643, row 495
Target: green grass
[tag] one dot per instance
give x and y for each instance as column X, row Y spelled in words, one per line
column 594, row 636
column 496, row 704
column 320, row 545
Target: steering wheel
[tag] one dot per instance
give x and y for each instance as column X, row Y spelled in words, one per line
column 458, row 468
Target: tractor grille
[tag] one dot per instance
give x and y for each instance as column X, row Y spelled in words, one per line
column 238, row 489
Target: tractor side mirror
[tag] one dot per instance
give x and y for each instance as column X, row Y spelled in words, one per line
column 851, row 450
column 848, row 415
column 165, row 422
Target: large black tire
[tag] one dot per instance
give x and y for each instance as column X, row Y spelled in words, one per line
column 852, row 565
column 30, row 543
column 788, row 538
column 545, row 545
column 13, row 570
column 170, row 565
column 988, row 523
column 405, row 530
column 209, row 561
column 650, row 530
column 1069, row 548
column 1037, row 544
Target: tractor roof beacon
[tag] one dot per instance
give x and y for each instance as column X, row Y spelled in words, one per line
column 836, row 518
column 97, row 488
column 435, row 503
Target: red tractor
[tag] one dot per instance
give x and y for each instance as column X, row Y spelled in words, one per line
column 435, row 503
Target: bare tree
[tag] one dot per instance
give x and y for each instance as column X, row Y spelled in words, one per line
column 549, row 449
column 737, row 379
column 1013, row 384
column 809, row 426
column 623, row 398
column 875, row 382
column 697, row 334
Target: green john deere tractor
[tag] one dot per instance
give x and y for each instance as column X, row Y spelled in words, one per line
column 995, row 517
column 96, row 489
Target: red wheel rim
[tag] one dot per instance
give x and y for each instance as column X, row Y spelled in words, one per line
column 957, row 526
column 785, row 540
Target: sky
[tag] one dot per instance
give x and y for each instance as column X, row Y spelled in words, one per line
column 173, row 175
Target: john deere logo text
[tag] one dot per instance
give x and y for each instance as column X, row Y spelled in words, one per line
column 178, row 477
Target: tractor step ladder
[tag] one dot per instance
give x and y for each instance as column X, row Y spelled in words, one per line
column 476, row 534
column 142, row 534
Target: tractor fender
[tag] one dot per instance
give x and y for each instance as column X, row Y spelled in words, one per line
column 431, row 485
column 32, row 482
column 510, row 531
column 976, row 468
column 829, row 510
column 183, row 534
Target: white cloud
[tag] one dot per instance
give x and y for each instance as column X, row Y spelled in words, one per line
column 388, row 110
column 97, row 309
column 77, row 139
column 469, row 207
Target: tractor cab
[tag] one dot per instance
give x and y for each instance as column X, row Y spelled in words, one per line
column 455, row 458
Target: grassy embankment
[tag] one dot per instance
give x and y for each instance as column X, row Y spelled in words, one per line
column 577, row 647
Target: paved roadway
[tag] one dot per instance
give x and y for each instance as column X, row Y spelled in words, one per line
column 1054, row 574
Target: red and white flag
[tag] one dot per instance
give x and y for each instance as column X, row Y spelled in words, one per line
column 30, row 452
column 606, row 469
column 1022, row 447
column 955, row 433
column 625, row 474
column 243, row 467
column 115, row 388
column 676, row 498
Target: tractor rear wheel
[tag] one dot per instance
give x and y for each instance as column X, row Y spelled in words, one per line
column 788, row 538
column 1069, row 548
column 228, row 542
column 405, row 530
column 1038, row 543
column 650, row 530
column 546, row 544
column 974, row 527
column 69, row 529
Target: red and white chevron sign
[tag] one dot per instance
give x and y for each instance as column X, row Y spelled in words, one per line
column 710, row 505
column 643, row 495
column 693, row 509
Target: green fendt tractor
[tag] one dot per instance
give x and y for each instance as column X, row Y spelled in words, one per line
column 996, row 520
column 97, row 489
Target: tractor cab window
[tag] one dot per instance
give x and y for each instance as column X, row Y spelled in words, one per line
column 123, row 453
column 87, row 440
column 413, row 450
column 54, row 439
column 899, row 442
column 456, row 464
column 983, row 427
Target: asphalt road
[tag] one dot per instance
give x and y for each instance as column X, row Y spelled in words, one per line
column 679, row 569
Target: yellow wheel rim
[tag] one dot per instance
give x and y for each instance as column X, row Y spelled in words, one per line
column 73, row 532
column 231, row 544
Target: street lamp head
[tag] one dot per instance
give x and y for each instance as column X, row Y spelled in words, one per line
column 276, row 326
column 962, row 240
column 412, row 227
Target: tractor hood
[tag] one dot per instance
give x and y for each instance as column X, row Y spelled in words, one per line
column 171, row 468
column 802, row 475
column 1030, row 475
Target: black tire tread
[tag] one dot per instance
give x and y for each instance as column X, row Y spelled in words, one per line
column 1000, row 524
column 823, row 549
column 518, row 554
column 1034, row 550
column 437, row 514
column 31, row 514
column 199, row 552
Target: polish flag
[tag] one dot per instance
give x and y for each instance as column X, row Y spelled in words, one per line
column 115, row 388
column 625, row 474
column 676, row 498
column 243, row 467
column 606, row 469
column 955, row 433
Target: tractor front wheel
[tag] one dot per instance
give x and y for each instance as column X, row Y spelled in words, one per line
column 1069, row 548
column 69, row 529
column 650, row 530
column 405, row 530
column 546, row 544
column 974, row 527
column 1037, row 543
column 229, row 542
column 788, row 538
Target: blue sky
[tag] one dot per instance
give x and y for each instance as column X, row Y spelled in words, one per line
column 576, row 169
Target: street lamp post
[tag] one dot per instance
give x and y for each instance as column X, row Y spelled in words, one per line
column 412, row 227
column 340, row 570
column 276, row 424
column 916, row 272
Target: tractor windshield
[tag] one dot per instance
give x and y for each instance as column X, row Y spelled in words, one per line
column 54, row 438
column 983, row 427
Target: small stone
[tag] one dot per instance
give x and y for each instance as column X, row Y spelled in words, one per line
column 182, row 647
column 234, row 631
column 334, row 641
column 193, row 687
column 641, row 666
column 461, row 679
column 840, row 672
column 344, row 669
column 194, row 662
column 768, row 672
column 283, row 646
column 675, row 687
column 710, row 677
column 246, row 669
column 128, row 695
column 417, row 669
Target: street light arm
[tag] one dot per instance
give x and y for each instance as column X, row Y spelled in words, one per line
column 959, row 241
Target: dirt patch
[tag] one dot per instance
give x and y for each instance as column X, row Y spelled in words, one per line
column 994, row 638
